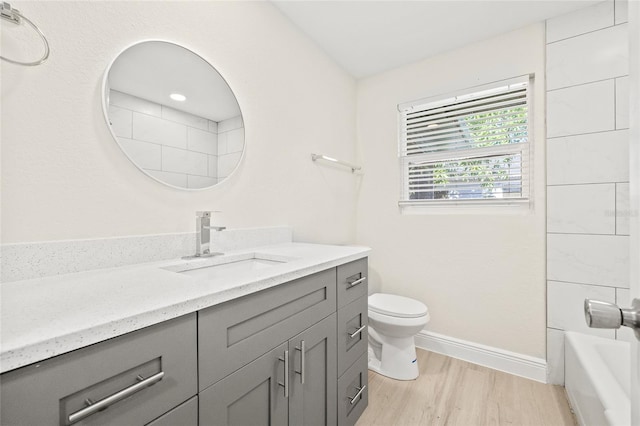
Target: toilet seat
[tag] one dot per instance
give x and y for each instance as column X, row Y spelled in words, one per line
column 382, row 321
column 396, row 306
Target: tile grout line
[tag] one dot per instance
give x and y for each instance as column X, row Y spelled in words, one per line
column 615, row 208
column 583, row 183
column 615, row 103
column 170, row 121
column 588, row 32
column 586, row 133
column 592, row 285
column 586, row 233
column 586, row 83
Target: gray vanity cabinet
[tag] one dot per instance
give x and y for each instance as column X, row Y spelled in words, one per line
column 129, row 380
column 293, row 354
column 352, row 341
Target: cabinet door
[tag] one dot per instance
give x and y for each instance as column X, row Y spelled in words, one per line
column 314, row 401
column 253, row 395
column 138, row 376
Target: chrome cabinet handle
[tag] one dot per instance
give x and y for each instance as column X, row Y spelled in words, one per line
column 356, row 282
column 301, row 372
column 116, row 397
column 360, row 390
column 358, row 331
column 285, row 385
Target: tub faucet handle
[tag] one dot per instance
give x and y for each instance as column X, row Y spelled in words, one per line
column 600, row 314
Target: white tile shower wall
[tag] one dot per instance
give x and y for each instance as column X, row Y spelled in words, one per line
column 592, row 158
column 621, row 11
column 622, row 103
column 171, row 145
column 623, row 209
column 588, row 259
column 582, row 21
column 581, row 209
column 563, row 316
column 230, row 145
column 586, row 108
column 591, row 57
column 41, row 259
column 587, row 169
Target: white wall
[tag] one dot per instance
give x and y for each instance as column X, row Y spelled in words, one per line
column 481, row 275
column 587, row 170
column 63, row 176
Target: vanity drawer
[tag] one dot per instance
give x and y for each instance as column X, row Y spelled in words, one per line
column 353, row 394
column 236, row 332
column 55, row 391
column 352, row 333
column 352, row 281
column 183, row 415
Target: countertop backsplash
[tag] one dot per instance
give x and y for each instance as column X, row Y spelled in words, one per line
column 24, row 261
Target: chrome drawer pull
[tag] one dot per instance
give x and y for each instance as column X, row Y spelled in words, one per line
column 112, row 399
column 286, row 374
column 358, row 331
column 356, row 282
column 360, row 390
column 301, row 372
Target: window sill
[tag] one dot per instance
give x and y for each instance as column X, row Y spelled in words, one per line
column 479, row 207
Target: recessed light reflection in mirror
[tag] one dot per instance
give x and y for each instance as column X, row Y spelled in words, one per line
column 178, row 97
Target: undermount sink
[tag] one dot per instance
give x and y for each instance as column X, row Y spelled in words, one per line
column 226, row 265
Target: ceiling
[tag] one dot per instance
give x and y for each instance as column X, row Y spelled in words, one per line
column 369, row 37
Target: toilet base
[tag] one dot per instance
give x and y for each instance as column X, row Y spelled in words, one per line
column 396, row 362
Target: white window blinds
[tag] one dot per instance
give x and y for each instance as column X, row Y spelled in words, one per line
column 466, row 148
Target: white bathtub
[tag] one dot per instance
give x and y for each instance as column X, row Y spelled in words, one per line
column 597, row 379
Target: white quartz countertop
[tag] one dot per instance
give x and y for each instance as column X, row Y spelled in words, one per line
column 49, row 316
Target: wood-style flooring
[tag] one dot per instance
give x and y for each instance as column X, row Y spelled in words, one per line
column 454, row 392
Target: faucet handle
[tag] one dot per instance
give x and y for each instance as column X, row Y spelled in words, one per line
column 600, row 314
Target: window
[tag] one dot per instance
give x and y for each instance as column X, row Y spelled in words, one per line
column 471, row 148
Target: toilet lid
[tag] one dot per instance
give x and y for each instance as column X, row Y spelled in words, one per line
column 396, row 306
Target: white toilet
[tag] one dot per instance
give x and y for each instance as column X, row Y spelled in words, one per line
column 393, row 322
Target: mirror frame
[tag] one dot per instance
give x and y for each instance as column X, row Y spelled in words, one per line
column 105, row 113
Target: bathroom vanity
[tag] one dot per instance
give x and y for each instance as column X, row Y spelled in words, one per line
column 275, row 337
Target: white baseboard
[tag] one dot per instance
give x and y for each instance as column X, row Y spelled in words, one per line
column 487, row 356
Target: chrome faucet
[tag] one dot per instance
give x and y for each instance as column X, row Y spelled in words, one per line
column 203, row 234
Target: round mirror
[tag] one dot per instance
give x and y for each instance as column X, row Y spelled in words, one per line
column 173, row 115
